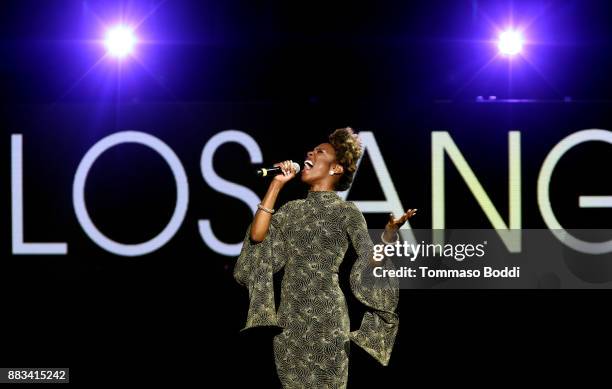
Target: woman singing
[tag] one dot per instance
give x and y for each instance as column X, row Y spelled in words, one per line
column 309, row 238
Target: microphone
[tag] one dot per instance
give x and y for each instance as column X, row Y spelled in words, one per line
column 274, row 170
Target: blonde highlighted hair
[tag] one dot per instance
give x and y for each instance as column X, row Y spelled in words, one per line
column 347, row 146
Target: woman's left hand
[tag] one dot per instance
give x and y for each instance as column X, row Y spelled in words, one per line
column 393, row 225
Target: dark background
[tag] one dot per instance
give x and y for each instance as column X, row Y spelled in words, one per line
column 287, row 74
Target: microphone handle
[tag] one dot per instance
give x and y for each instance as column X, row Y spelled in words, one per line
column 264, row 172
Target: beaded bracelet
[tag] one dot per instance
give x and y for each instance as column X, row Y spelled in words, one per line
column 270, row 211
column 382, row 238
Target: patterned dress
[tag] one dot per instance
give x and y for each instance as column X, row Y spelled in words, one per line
column 309, row 238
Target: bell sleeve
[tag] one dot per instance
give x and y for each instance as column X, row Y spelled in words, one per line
column 255, row 267
column 379, row 325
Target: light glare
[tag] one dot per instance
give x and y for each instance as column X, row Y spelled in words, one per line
column 510, row 43
column 120, row 41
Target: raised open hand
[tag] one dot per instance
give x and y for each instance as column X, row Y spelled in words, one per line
column 393, row 225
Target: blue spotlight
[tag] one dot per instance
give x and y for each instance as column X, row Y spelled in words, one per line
column 120, row 41
column 510, row 43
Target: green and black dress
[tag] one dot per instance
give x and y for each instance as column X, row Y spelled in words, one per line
column 309, row 238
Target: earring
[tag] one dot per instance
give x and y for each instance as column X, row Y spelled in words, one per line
column 331, row 172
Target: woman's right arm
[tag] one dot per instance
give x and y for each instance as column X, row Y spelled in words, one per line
column 261, row 221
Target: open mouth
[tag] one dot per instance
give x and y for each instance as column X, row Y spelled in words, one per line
column 308, row 165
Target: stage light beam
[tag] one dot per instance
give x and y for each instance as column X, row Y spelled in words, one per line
column 510, row 43
column 120, row 41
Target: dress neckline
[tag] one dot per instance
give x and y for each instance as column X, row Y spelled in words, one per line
column 322, row 195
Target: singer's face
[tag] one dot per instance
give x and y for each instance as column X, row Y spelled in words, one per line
column 318, row 163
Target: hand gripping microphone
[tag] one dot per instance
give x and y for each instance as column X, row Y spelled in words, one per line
column 274, row 170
